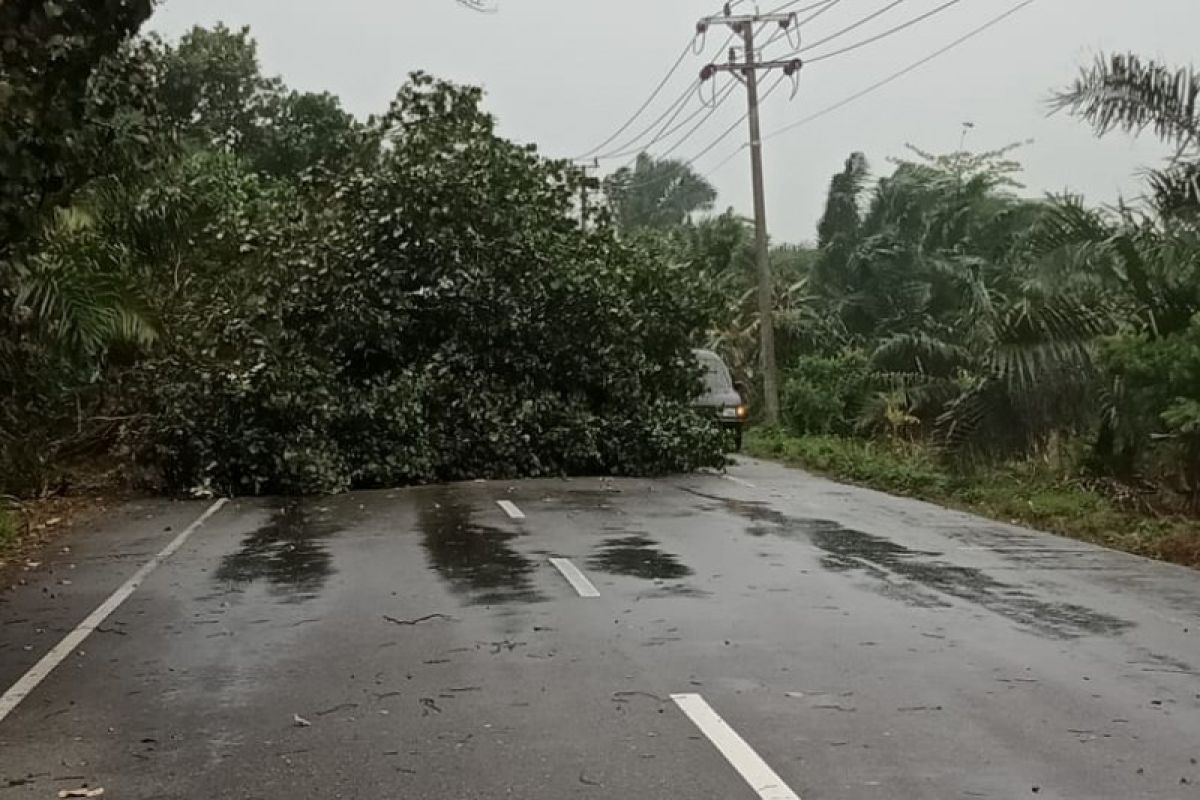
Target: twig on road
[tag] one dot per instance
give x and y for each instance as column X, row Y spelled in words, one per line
column 419, row 620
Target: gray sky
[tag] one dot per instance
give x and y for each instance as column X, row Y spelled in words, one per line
column 566, row 73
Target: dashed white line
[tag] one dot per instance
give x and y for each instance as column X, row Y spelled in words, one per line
column 39, row 671
column 511, row 509
column 765, row 782
column 574, row 577
column 738, row 481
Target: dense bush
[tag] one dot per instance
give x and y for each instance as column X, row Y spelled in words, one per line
column 438, row 315
column 823, row 395
column 1154, row 408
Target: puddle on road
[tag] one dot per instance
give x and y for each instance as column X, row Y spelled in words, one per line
column 474, row 560
column 618, row 501
column 638, row 556
column 923, row 578
column 288, row 553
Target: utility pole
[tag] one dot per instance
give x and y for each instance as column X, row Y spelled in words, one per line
column 584, row 185
column 747, row 72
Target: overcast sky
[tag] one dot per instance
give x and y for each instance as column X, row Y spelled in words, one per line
column 566, row 73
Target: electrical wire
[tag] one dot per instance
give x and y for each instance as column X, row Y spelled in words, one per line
column 690, row 47
column 719, row 98
column 728, row 131
column 828, row 6
column 991, row 23
column 852, row 26
column 653, row 96
column 817, row 8
column 691, row 132
column 901, row 73
column 670, row 115
column 673, row 112
column 724, row 135
column 885, row 34
column 720, row 101
column 804, row 10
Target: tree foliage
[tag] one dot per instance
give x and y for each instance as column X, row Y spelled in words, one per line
column 992, row 326
column 252, row 291
column 656, row 193
column 50, row 51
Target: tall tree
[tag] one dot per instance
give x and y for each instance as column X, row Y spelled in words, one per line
column 214, row 89
column 49, row 52
column 657, row 193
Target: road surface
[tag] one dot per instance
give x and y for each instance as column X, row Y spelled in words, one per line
column 764, row 634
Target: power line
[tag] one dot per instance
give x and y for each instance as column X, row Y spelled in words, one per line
column 885, row 34
column 852, row 26
column 669, row 115
column 692, row 132
column 879, row 84
column 712, row 145
column 666, row 132
column 817, row 8
column 901, row 73
column 804, row 10
column 741, row 120
column 821, row 8
column 691, row 46
column 653, row 95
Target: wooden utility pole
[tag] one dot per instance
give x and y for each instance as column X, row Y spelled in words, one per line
column 747, row 71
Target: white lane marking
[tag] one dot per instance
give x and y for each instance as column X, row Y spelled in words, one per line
column 39, row 671
column 764, row 781
column 511, row 509
column 738, row 481
column 574, row 577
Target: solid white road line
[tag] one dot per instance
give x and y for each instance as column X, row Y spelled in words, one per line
column 574, row 577
column 38, row 673
column 753, row 769
column 511, row 509
column 738, row 481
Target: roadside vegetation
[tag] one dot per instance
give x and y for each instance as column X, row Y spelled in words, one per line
column 210, row 282
column 227, row 286
column 1036, row 360
column 1045, row 496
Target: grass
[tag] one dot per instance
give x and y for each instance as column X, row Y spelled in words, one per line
column 1021, row 493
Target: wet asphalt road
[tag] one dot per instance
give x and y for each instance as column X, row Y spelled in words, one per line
column 864, row 647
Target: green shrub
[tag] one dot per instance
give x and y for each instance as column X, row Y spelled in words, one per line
column 1022, row 492
column 824, row 395
column 895, row 467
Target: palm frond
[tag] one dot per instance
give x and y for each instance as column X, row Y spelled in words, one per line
column 1123, row 92
column 77, row 291
column 919, row 353
column 1176, row 190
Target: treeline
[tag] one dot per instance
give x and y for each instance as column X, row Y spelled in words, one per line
column 211, row 282
column 944, row 308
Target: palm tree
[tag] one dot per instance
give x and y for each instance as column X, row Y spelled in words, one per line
column 929, row 274
column 657, row 193
column 1123, row 92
